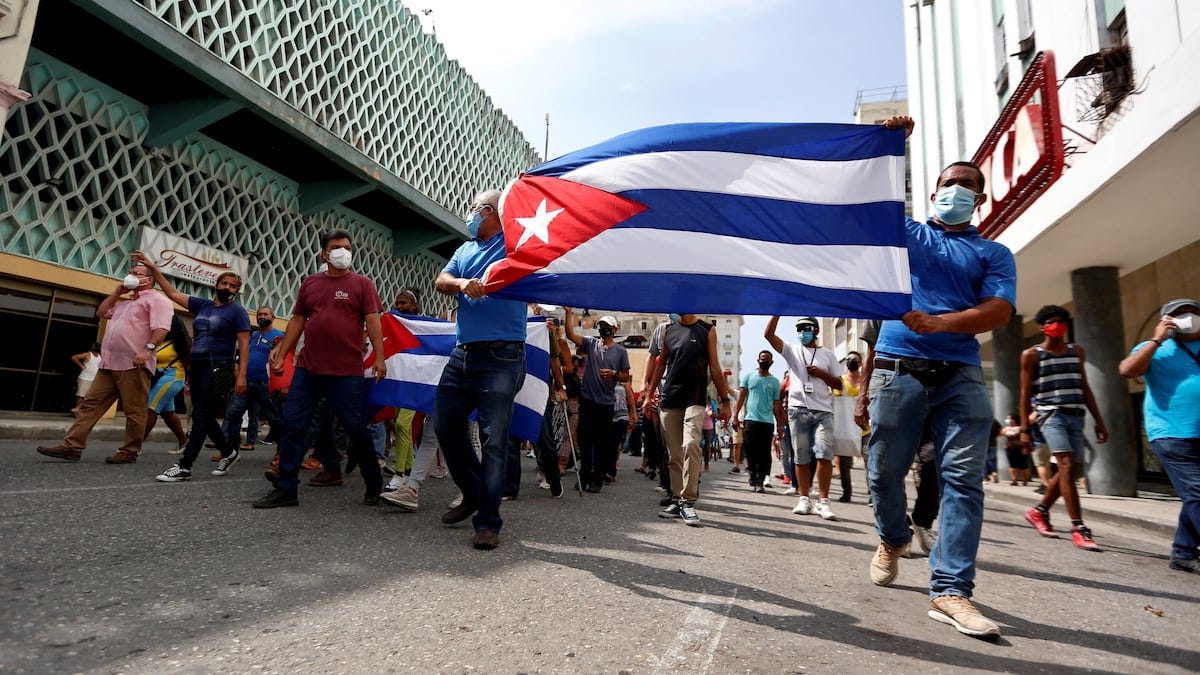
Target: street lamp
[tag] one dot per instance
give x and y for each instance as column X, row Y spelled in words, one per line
column 546, row 147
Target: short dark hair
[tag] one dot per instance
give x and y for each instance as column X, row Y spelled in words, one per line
column 973, row 165
column 336, row 233
column 854, row 353
column 768, row 353
column 1049, row 312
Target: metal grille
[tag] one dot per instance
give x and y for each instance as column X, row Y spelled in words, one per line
column 77, row 185
column 364, row 70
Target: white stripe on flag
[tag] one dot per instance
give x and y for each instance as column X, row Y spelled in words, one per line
column 423, row 369
column 866, row 268
column 858, row 181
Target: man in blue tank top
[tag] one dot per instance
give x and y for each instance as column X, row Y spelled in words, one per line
column 1053, row 383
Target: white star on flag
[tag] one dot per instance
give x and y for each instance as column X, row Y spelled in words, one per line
column 537, row 225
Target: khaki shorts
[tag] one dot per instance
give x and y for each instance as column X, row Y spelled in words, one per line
column 1040, row 455
column 737, row 435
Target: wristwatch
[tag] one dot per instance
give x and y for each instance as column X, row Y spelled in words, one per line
column 151, row 346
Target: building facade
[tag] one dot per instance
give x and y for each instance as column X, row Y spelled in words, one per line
column 1083, row 116
column 242, row 129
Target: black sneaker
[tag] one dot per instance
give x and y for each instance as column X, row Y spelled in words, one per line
column 689, row 515
column 556, row 489
column 371, row 498
column 226, row 462
column 276, row 498
column 1185, row 565
column 735, row 470
column 671, row 511
column 666, row 501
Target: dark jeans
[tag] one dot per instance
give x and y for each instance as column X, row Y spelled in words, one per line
column 595, row 443
column 620, row 430
column 257, row 400
column 346, row 395
column 1180, row 458
column 322, row 437
column 925, row 508
column 484, row 378
column 756, row 446
column 210, row 384
column 547, row 446
column 512, row 468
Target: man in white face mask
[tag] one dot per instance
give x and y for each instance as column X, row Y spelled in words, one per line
column 127, row 360
column 331, row 309
column 1169, row 364
column 926, row 370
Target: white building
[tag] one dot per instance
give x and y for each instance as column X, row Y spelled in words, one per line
column 1083, row 117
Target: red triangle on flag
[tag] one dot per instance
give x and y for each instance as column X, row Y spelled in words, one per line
column 396, row 338
column 544, row 217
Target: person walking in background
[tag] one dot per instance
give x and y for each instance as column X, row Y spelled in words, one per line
column 849, row 439
column 222, row 332
column 135, row 329
column 1054, row 384
column 88, row 363
column 173, row 362
column 759, row 397
column 1169, row 364
column 256, row 401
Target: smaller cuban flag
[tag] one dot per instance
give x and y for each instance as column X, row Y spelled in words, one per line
column 731, row 218
column 416, row 350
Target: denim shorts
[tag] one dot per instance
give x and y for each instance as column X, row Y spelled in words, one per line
column 812, row 434
column 1063, row 433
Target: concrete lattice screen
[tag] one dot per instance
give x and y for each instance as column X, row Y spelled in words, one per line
column 77, row 184
column 364, row 70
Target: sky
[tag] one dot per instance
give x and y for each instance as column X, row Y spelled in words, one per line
column 600, row 68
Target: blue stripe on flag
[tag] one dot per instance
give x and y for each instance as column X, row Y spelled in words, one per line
column 794, row 141
column 769, row 219
column 726, row 294
column 526, row 424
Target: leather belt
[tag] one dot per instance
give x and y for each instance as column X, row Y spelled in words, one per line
column 491, row 344
column 906, row 364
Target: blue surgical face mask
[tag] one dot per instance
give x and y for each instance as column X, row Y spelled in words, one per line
column 673, row 317
column 474, row 222
column 805, row 337
column 953, row 205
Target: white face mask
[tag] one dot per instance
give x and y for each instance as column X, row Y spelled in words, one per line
column 131, row 282
column 1186, row 323
column 340, row 258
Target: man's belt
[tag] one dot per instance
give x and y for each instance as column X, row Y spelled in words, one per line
column 491, row 344
column 906, row 364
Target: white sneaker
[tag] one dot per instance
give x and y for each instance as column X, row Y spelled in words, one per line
column 225, row 463
column 544, row 484
column 394, row 484
column 824, row 511
column 803, row 507
column 926, row 537
column 439, row 471
column 174, row 475
column 457, row 501
column 405, row 498
column 789, row 492
column 766, row 481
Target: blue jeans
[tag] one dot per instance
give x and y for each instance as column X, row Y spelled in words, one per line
column 1063, row 433
column 257, row 399
column 481, row 377
column 346, row 395
column 1180, row 458
column 960, row 417
column 812, row 434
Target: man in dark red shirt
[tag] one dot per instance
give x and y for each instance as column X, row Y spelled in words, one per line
column 331, row 309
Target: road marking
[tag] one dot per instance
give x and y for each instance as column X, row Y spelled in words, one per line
column 696, row 642
column 152, row 483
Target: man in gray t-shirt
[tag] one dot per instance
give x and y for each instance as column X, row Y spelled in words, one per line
column 607, row 364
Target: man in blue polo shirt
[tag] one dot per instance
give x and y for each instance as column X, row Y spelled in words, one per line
column 484, row 373
column 257, row 398
column 926, row 369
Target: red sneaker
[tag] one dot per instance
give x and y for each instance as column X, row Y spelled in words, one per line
column 1041, row 521
column 1082, row 536
column 787, row 481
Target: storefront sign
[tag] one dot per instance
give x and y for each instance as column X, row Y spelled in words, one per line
column 1022, row 156
column 185, row 259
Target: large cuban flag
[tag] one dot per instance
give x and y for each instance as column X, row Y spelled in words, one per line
column 792, row 219
column 416, row 350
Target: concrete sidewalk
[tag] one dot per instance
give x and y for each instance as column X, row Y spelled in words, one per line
column 1155, row 509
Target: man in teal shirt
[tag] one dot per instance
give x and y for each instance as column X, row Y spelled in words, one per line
column 759, row 394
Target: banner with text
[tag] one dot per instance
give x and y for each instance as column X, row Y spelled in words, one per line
column 185, row 259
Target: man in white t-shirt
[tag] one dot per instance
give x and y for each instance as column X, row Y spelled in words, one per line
column 815, row 374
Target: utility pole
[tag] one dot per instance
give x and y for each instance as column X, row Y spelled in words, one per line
column 546, row 147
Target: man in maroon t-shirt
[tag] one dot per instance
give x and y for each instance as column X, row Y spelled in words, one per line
column 330, row 311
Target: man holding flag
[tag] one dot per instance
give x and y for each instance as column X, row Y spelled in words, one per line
column 483, row 374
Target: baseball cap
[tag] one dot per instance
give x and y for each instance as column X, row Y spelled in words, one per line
column 807, row 320
column 610, row 320
column 1178, row 304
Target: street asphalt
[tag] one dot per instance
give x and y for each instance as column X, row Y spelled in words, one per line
column 105, row 570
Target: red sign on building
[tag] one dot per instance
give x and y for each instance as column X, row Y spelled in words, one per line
column 1022, row 155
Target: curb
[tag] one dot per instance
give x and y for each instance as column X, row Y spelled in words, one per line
column 1101, row 516
column 107, row 433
